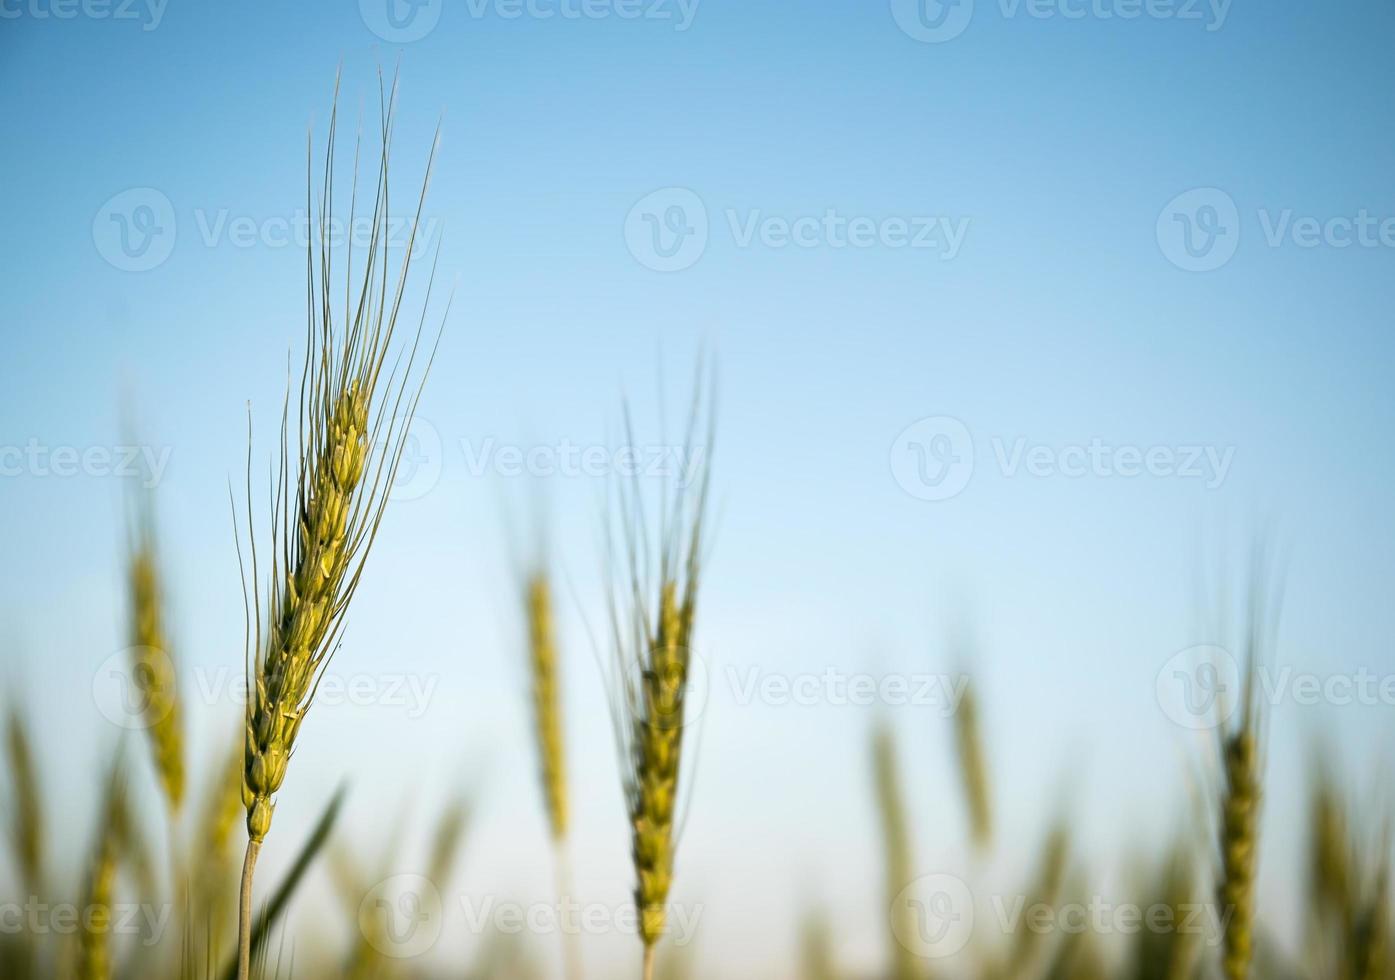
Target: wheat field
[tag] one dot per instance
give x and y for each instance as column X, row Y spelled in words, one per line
column 181, row 867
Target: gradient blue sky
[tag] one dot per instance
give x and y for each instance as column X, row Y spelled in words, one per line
column 1060, row 320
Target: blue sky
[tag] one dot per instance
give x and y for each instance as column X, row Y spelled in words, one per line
column 1068, row 157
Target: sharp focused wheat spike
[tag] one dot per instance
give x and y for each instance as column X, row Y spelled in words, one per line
column 337, row 464
column 973, row 769
column 27, row 829
column 94, row 938
column 152, row 663
column 653, row 632
column 547, row 709
column 896, row 842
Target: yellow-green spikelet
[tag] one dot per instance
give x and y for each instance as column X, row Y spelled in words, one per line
column 286, row 676
column 657, row 746
column 1239, row 817
column 542, row 645
column 154, row 674
column 94, row 938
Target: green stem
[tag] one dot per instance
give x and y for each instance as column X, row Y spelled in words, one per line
column 244, row 912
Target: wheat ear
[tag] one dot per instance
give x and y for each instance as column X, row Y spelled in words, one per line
column 896, row 843
column 94, row 948
column 1241, row 791
column 152, row 665
column 973, row 769
column 548, row 732
column 329, row 495
column 27, row 829
column 652, row 627
column 547, row 709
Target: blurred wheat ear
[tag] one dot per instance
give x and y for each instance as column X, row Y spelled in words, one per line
column 152, row 663
column 973, row 769
column 1241, row 752
column 26, row 828
column 896, row 843
column 338, row 461
column 548, row 732
column 653, row 602
column 94, row 954
column 212, row 856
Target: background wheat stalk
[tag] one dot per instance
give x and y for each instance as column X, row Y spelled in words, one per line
column 330, row 491
column 548, row 733
column 652, row 607
column 152, row 664
column 94, row 939
column 1241, row 753
column 972, row 768
column 896, row 843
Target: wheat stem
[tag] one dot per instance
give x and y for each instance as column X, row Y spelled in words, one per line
column 244, row 911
